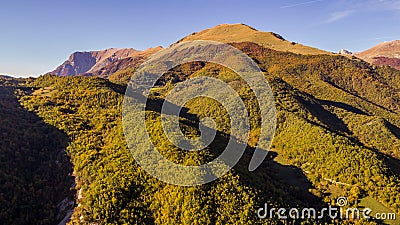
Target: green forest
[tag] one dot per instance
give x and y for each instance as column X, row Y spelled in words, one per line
column 338, row 134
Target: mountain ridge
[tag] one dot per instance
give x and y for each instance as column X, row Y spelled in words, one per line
column 383, row 54
column 92, row 62
column 98, row 63
column 104, row 63
column 389, row 49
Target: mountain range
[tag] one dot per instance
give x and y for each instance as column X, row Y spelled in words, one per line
column 106, row 62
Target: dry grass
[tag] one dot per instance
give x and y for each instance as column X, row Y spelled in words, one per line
column 228, row 33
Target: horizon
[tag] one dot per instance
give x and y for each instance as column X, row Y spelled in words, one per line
column 41, row 35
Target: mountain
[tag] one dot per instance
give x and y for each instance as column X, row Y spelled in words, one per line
column 229, row 33
column 100, row 63
column 84, row 62
column 390, row 49
column 383, row 54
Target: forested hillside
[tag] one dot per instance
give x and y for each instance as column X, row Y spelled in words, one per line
column 116, row 190
column 35, row 173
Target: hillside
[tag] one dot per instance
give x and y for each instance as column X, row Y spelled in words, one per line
column 34, row 169
column 114, row 188
column 328, row 109
column 107, row 62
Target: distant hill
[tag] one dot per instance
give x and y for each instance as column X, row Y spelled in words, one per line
column 5, row 76
column 100, row 63
column 229, row 33
column 389, row 49
column 383, row 54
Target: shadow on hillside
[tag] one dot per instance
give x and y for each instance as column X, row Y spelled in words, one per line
column 393, row 129
column 118, row 88
column 35, row 170
column 328, row 118
column 288, row 177
column 272, row 180
column 360, row 97
column 393, row 162
column 156, row 105
column 344, row 106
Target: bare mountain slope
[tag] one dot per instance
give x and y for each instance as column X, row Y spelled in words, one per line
column 106, row 62
column 228, row 33
column 99, row 62
column 383, row 54
column 390, row 49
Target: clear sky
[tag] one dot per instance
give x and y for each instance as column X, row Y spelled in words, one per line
column 36, row 36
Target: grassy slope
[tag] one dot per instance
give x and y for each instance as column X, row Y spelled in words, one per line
column 228, row 33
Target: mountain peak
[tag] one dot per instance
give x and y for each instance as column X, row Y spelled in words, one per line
column 345, row 52
column 389, row 49
column 236, row 26
column 91, row 62
column 230, row 33
column 383, row 54
column 391, row 43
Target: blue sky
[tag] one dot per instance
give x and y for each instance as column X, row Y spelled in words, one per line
column 36, row 36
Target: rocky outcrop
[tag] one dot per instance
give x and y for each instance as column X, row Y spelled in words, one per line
column 345, row 52
column 78, row 62
column 100, row 63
